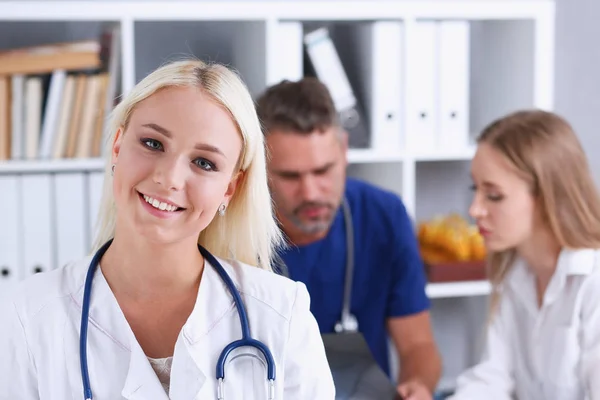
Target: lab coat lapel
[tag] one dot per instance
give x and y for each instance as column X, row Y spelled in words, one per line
column 187, row 375
column 107, row 321
column 194, row 363
column 141, row 382
column 108, row 341
column 196, row 351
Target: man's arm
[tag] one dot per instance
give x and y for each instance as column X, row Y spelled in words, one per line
column 419, row 358
column 408, row 320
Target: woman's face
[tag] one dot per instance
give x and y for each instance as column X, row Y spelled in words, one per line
column 175, row 164
column 503, row 205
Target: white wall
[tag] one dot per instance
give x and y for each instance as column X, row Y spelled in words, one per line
column 577, row 88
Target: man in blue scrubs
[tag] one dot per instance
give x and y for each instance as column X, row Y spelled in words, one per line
column 307, row 176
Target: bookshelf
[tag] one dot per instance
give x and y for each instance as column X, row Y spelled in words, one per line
column 510, row 65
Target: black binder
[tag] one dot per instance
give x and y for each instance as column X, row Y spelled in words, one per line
column 356, row 374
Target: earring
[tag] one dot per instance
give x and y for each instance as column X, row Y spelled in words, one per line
column 112, row 170
column 222, row 209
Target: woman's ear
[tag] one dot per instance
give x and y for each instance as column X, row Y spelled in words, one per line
column 116, row 146
column 233, row 184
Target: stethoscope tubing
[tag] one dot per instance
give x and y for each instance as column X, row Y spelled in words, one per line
column 245, row 341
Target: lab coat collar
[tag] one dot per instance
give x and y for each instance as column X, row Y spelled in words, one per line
column 571, row 262
column 187, row 378
column 213, row 302
column 141, row 382
column 191, row 367
column 106, row 317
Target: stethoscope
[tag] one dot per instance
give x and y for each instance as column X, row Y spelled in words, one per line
column 347, row 322
column 245, row 341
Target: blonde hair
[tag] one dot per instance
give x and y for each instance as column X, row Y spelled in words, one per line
column 248, row 232
column 545, row 151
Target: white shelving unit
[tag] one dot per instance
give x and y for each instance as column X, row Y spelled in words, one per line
column 458, row 289
column 511, row 58
column 15, row 167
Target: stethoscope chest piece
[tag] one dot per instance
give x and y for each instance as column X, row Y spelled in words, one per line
column 221, row 389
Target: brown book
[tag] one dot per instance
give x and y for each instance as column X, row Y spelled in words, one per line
column 59, row 147
column 84, row 55
column 88, row 118
column 101, row 115
column 5, row 114
column 76, row 114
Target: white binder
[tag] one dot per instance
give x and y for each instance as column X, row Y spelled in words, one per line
column 387, row 86
column 454, row 74
column 373, row 53
column 70, row 210
column 289, row 51
column 51, row 113
column 95, row 185
column 10, row 245
column 421, row 86
column 18, row 117
column 33, row 116
column 328, row 68
column 37, row 244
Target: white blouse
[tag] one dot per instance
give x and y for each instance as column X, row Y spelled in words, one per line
column 547, row 352
column 162, row 367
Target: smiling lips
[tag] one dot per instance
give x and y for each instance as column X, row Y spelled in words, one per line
column 161, row 205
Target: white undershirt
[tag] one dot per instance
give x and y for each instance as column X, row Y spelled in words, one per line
column 162, row 367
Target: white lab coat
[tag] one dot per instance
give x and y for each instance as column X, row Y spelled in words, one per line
column 39, row 341
column 552, row 352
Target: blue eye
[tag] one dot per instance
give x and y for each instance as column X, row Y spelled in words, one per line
column 205, row 164
column 152, row 144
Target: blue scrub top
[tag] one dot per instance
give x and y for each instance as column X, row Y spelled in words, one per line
column 389, row 278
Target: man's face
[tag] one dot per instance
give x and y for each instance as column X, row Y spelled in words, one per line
column 307, row 175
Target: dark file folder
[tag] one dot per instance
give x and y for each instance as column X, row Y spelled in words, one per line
column 356, row 374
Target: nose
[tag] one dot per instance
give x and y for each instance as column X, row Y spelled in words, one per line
column 309, row 188
column 477, row 209
column 170, row 173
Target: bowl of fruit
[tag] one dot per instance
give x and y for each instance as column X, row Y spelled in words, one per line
column 452, row 249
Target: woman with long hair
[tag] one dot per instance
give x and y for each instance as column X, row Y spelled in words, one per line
column 537, row 207
column 178, row 299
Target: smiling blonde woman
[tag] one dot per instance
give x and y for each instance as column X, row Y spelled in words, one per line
column 182, row 266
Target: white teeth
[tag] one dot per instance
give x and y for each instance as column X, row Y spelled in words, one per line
column 160, row 205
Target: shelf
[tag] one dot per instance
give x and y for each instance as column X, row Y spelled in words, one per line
column 356, row 156
column 52, row 166
column 458, row 289
column 247, row 10
column 452, row 155
column 359, row 156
